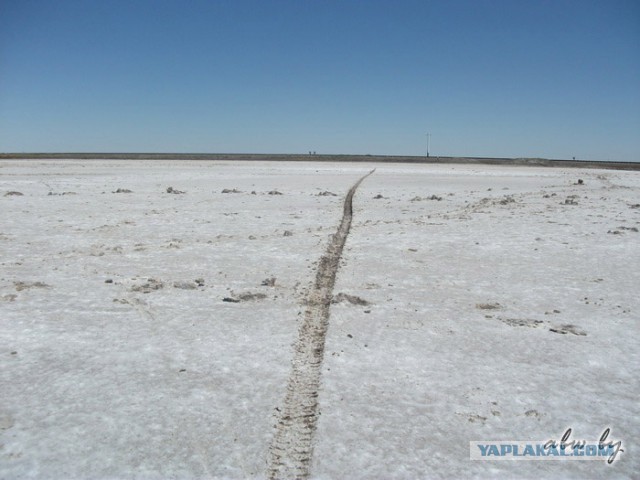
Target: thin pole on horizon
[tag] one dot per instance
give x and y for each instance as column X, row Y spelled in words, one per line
column 428, row 143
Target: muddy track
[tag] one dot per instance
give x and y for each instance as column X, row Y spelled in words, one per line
column 292, row 445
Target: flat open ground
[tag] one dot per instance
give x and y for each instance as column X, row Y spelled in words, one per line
column 142, row 334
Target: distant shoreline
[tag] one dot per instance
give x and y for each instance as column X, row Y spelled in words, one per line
column 537, row 162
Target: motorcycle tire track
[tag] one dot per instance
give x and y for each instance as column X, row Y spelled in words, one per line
column 291, row 449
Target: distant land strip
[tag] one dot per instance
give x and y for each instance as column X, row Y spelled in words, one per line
column 537, row 162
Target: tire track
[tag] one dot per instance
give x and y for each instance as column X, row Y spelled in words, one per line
column 292, row 445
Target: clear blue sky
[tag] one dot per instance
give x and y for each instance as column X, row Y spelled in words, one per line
column 538, row 78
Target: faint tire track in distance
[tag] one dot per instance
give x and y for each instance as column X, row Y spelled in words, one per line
column 292, row 445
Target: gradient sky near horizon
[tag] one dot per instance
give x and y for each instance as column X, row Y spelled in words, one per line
column 513, row 78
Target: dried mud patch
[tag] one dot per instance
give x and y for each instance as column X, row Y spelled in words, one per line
column 420, row 199
column 521, row 322
column 621, row 230
column 148, row 286
column 488, row 306
column 185, row 285
column 352, row 299
column 568, row 328
column 245, row 297
column 533, row 323
column 488, row 202
column 27, row 285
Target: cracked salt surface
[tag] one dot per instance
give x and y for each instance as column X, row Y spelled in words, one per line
column 99, row 380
